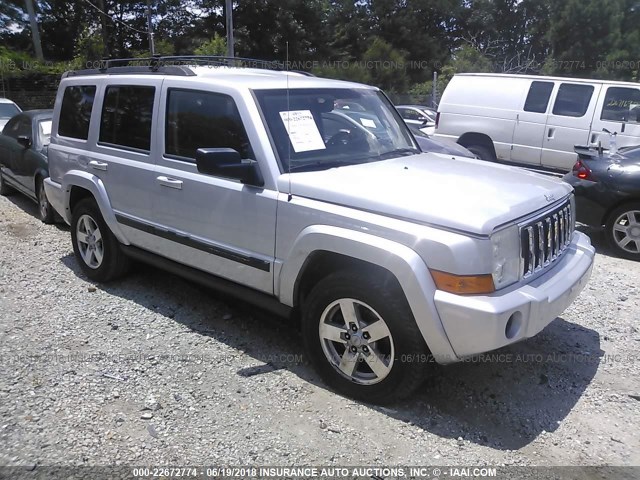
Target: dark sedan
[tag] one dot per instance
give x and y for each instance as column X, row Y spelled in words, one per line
column 23, row 158
column 607, row 190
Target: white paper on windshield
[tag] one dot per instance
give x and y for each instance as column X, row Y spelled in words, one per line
column 46, row 127
column 303, row 131
column 367, row 122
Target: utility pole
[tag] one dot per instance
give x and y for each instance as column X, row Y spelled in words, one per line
column 152, row 48
column 229, row 18
column 103, row 30
column 434, row 90
column 37, row 46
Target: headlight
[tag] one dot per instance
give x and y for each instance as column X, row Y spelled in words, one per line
column 505, row 245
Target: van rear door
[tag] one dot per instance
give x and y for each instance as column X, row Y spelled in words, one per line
column 568, row 123
column 618, row 110
column 531, row 120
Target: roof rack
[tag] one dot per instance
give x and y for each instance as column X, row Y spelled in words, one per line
column 173, row 64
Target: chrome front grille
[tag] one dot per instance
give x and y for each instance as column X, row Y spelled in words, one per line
column 544, row 239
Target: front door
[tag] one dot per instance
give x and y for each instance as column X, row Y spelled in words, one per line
column 618, row 111
column 214, row 224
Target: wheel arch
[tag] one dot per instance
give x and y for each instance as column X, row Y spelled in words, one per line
column 77, row 185
column 320, row 250
column 475, row 138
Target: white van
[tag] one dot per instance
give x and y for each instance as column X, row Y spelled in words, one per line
column 534, row 120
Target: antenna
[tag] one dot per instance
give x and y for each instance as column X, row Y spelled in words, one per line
column 290, row 196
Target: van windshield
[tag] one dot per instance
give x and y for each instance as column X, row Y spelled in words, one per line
column 316, row 129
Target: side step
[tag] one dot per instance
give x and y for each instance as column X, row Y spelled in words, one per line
column 255, row 297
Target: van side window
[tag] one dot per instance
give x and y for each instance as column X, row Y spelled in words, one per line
column 198, row 119
column 538, row 97
column 621, row 105
column 75, row 113
column 126, row 116
column 572, row 100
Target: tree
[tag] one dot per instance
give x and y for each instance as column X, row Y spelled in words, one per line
column 216, row 46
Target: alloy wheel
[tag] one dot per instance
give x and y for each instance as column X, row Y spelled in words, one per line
column 626, row 231
column 356, row 341
column 90, row 243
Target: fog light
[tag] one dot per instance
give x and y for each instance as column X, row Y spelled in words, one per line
column 512, row 329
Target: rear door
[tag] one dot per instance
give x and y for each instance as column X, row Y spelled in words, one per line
column 125, row 148
column 529, row 129
column 568, row 123
column 618, row 110
column 18, row 126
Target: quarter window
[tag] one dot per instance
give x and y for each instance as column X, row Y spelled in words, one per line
column 126, row 116
column 621, row 105
column 572, row 100
column 198, row 119
column 75, row 113
column 538, row 97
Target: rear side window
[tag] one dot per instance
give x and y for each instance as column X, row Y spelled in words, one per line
column 126, row 116
column 198, row 119
column 572, row 100
column 18, row 126
column 621, row 105
column 75, row 113
column 538, row 97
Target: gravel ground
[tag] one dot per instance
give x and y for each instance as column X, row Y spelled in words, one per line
column 153, row 370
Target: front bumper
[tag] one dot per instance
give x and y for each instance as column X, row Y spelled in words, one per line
column 55, row 195
column 478, row 324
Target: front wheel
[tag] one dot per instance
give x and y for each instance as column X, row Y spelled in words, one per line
column 362, row 338
column 623, row 230
column 46, row 211
column 96, row 248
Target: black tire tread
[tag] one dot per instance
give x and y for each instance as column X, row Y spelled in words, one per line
column 381, row 293
column 634, row 205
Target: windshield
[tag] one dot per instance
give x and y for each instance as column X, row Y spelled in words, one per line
column 8, row 110
column 316, row 129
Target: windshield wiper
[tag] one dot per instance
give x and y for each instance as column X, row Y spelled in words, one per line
column 324, row 165
column 399, row 152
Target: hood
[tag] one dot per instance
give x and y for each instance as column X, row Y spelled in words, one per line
column 461, row 194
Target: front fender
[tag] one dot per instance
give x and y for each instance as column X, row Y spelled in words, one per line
column 90, row 182
column 401, row 261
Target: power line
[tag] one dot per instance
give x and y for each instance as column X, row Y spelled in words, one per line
column 115, row 19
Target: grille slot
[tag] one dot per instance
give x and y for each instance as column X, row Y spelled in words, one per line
column 545, row 239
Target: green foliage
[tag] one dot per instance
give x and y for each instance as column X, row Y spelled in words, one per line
column 395, row 44
column 215, row 46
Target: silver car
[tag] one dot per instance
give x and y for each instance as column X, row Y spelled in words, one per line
column 258, row 183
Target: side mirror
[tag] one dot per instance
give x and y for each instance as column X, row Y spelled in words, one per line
column 24, row 141
column 227, row 163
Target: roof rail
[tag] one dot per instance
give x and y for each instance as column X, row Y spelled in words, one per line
column 172, row 64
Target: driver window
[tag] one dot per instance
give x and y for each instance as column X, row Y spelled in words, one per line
column 621, row 105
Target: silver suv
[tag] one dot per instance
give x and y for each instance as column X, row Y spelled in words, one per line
column 261, row 183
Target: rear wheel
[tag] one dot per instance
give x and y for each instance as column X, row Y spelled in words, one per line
column 46, row 211
column 623, row 230
column 5, row 189
column 362, row 338
column 482, row 152
column 96, row 248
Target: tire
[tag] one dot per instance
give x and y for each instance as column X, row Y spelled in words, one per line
column 482, row 152
column 5, row 189
column 45, row 210
column 404, row 354
column 623, row 230
column 99, row 255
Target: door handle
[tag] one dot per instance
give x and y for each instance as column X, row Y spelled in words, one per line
column 170, row 182
column 550, row 133
column 98, row 165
